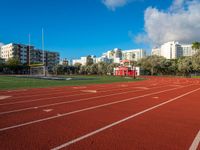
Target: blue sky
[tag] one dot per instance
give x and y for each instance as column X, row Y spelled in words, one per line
column 76, row 27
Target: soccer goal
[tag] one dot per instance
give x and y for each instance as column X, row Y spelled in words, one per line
column 37, row 70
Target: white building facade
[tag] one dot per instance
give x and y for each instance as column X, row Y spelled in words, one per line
column 115, row 56
column 173, row 50
column 133, row 54
column 156, row 51
column 187, row 50
column 21, row 52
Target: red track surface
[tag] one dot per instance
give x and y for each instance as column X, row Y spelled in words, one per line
column 158, row 113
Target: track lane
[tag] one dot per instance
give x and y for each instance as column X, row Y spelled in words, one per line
column 51, row 101
column 30, row 98
column 54, row 132
column 172, row 126
column 82, row 103
column 37, row 93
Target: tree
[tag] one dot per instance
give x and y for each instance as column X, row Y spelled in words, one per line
column 196, row 62
column 110, row 68
column 185, row 65
column 89, row 61
column 58, row 69
column 13, row 62
column 87, row 69
column 82, row 70
column 173, row 68
column 77, row 67
column 196, row 46
column 102, row 68
column 151, row 64
column 2, row 61
column 112, row 52
column 94, row 69
column 13, row 65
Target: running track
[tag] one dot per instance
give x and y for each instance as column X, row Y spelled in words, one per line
column 157, row 113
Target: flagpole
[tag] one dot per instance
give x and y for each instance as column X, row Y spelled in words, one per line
column 43, row 45
column 44, row 62
column 29, row 40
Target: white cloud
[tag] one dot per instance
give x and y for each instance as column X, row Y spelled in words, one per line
column 113, row 4
column 177, row 5
column 181, row 22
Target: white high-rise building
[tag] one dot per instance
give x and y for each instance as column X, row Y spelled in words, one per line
column 187, row 50
column 18, row 51
column 156, row 51
column 173, row 50
column 110, row 56
column 115, row 56
column 133, row 54
column 82, row 61
column 21, row 52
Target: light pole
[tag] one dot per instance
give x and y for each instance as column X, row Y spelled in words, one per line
column 134, row 72
column 44, row 62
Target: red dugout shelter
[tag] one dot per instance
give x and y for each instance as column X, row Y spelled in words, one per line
column 126, row 71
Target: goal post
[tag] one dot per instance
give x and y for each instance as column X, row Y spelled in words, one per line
column 37, row 70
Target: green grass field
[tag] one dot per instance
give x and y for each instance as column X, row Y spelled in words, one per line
column 11, row 82
column 195, row 76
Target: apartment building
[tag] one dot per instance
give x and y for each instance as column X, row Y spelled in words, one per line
column 50, row 58
column 115, row 56
column 110, row 56
column 156, row 51
column 64, row 61
column 173, row 50
column 133, row 54
column 21, row 52
column 82, row 61
column 187, row 50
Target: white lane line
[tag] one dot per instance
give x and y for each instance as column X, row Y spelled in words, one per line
column 47, row 110
column 4, row 97
column 82, row 110
column 45, row 94
column 123, row 85
column 72, row 101
column 16, row 90
column 79, row 87
column 145, row 88
column 89, row 91
column 65, row 102
column 41, row 99
column 61, row 91
column 196, row 142
column 120, row 121
column 156, row 97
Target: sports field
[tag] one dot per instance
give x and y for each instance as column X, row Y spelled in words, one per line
column 157, row 113
column 19, row 82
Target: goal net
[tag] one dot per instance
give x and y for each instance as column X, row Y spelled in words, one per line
column 37, row 70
